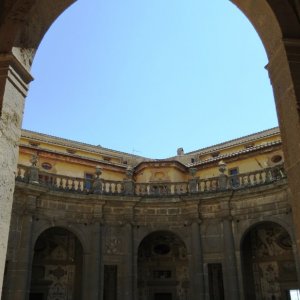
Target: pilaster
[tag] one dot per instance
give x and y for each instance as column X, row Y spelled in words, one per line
column 128, row 261
column 230, row 274
column 14, row 80
column 197, row 278
column 20, row 268
column 94, row 261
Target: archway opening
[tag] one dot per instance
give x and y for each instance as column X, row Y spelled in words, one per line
column 57, row 266
column 269, row 269
column 159, row 72
column 162, row 267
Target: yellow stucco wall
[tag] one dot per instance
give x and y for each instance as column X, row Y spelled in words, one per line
column 82, row 161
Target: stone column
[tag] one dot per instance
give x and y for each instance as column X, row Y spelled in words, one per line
column 197, row 278
column 128, row 263
column 230, row 268
column 284, row 72
column 14, row 80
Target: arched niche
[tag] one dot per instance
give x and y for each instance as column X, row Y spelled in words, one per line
column 163, row 271
column 268, row 264
column 57, row 266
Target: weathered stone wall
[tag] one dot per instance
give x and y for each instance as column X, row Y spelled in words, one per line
column 13, row 81
column 116, row 226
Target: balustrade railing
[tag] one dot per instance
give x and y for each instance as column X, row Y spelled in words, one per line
column 195, row 185
column 161, row 188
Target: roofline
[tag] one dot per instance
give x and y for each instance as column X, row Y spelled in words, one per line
column 25, row 133
column 233, row 154
column 241, row 140
column 46, row 138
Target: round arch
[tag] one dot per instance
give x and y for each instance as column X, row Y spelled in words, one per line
column 78, row 233
column 24, row 23
column 57, row 265
column 150, row 231
column 268, row 262
column 268, row 219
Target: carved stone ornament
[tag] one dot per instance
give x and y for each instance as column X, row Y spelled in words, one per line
column 34, row 160
column 222, row 166
column 112, row 246
column 193, row 172
column 129, row 172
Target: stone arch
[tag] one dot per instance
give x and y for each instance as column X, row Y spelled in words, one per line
column 265, row 219
column 24, row 23
column 147, row 231
column 272, row 20
column 163, row 267
column 268, row 263
column 43, row 225
column 57, row 266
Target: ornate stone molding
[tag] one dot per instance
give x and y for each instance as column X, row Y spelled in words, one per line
column 12, row 69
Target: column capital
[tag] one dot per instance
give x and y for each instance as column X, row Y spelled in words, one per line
column 12, row 69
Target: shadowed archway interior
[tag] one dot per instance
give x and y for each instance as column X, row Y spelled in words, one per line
column 269, row 269
column 162, row 267
column 57, row 266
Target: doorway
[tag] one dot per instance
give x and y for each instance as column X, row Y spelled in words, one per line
column 162, row 267
column 162, row 296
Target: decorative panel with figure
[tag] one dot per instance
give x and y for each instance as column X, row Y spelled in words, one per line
column 268, row 263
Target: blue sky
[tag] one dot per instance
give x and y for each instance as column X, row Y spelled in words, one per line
column 146, row 77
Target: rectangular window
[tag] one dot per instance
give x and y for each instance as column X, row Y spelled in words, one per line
column 88, row 181
column 110, row 282
column 233, row 177
column 215, row 281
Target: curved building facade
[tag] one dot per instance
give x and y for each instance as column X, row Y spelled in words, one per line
column 93, row 223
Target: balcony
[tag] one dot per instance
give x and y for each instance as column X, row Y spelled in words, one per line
column 33, row 175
